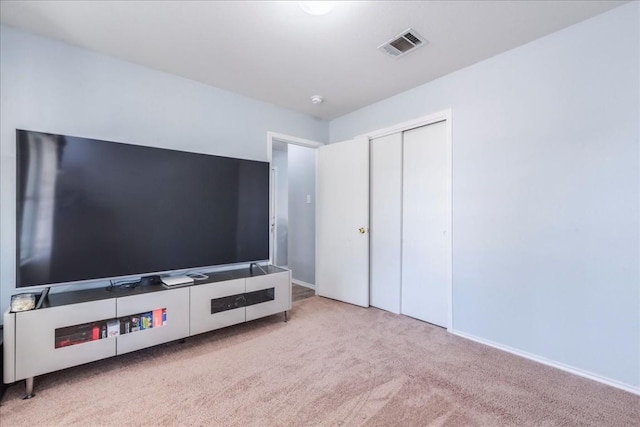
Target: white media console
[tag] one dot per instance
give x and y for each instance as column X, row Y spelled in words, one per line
column 77, row 327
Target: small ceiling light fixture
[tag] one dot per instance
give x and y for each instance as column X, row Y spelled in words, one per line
column 317, row 7
column 316, row 99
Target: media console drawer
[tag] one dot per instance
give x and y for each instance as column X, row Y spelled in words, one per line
column 275, row 298
column 216, row 305
column 36, row 338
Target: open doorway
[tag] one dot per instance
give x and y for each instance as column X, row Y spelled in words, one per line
column 293, row 207
column 280, row 204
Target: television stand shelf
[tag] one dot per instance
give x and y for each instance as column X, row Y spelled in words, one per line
column 77, row 327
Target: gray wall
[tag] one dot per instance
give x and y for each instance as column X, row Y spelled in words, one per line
column 280, row 161
column 302, row 215
column 50, row 86
column 545, row 193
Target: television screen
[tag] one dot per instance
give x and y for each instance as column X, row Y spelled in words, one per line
column 91, row 209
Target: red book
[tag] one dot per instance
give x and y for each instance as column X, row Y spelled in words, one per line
column 95, row 333
column 157, row 317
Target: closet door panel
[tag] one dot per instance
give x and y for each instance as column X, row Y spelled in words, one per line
column 426, row 247
column 386, row 221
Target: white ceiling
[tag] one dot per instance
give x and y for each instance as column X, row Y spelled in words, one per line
column 273, row 51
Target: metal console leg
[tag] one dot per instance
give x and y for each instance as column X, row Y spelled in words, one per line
column 29, row 388
column 285, row 317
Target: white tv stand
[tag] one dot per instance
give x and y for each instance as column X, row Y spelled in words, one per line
column 77, row 327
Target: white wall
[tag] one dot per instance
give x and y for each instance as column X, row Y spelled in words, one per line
column 302, row 215
column 280, row 161
column 545, row 193
column 53, row 87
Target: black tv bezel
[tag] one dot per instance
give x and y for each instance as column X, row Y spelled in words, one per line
column 134, row 277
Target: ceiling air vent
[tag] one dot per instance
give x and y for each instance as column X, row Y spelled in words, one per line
column 404, row 43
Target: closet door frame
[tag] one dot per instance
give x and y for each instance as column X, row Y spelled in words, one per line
column 446, row 116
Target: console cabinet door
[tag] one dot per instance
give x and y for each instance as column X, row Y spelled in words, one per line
column 175, row 302
column 268, row 294
column 217, row 305
column 36, row 351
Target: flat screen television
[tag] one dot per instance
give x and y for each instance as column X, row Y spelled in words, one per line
column 95, row 210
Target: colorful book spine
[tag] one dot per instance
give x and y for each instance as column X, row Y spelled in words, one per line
column 146, row 321
column 157, row 317
column 135, row 323
column 113, row 328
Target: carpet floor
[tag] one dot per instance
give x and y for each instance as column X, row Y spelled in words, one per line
column 332, row 364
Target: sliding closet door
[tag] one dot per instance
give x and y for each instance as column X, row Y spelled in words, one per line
column 426, row 223
column 386, row 221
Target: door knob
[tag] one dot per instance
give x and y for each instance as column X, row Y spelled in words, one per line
column 362, row 230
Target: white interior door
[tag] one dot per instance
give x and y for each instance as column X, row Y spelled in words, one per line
column 342, row 238
column 386, row 221
column 426, row 224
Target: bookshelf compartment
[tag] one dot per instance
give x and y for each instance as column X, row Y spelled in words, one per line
column 175, row 305
column 153, row 319
column 82, row 333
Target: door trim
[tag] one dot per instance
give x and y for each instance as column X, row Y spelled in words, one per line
column 446, row 116
column 273, row 199
column 287, row 139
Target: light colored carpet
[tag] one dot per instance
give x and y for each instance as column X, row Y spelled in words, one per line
column 332, row 364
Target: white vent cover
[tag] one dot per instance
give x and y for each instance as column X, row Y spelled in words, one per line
column 403, row 43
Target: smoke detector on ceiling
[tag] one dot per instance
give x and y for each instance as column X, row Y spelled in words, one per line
column 403, row 43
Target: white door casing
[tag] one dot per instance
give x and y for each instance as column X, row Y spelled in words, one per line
column 342, row 237
column 272, row 137
column 274, row 216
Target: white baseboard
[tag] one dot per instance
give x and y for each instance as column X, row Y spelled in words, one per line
column 305, row 284
column 552, row 363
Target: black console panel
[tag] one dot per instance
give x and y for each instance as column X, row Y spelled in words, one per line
column 232, row 302
column 258, row 297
